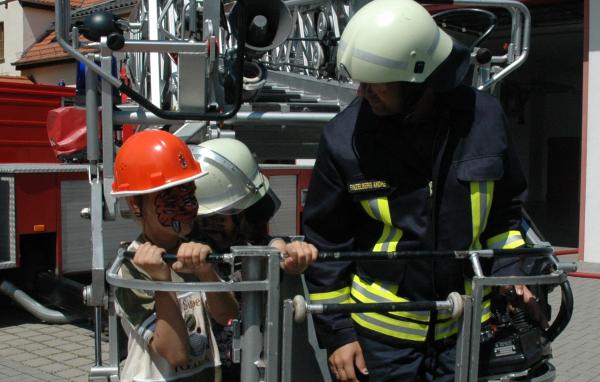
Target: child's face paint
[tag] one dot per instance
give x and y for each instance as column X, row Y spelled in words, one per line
column 176, row 206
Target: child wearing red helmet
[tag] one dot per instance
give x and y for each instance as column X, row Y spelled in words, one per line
column 170, row 335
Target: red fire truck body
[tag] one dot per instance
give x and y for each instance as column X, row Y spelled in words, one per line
column 41, row 198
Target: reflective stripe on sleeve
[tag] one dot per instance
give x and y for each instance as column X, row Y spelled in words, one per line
column 481, row 202
column 506, row 240
column 339, row 296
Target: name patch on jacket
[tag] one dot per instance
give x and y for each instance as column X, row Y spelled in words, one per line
column 369, row 185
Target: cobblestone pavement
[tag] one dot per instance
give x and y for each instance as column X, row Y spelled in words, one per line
column 577, row 349
column 31, row 351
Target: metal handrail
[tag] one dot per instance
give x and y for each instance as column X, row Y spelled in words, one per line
column 62, row 14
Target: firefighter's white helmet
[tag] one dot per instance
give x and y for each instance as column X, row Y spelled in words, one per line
column 233, row 181
column 392, row 40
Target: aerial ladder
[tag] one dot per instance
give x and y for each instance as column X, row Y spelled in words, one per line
column 209, row 69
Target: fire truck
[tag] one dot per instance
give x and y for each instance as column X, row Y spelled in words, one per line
column 264, row 72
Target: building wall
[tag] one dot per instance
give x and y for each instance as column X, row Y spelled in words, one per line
column 35, row 24
column 12, row 17
column 53, row 74
column 591, row 239
column 22, row 27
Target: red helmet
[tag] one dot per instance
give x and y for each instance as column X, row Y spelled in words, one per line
column 151, row 161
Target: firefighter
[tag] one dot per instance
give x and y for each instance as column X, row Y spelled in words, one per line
column 235, row 204
column 416, row 162
column 169, row 333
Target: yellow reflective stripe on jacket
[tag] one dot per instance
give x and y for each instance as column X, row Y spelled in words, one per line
column 378, row 292
column 379, row 323
column 446, row 329
column 485, row 304
column 481, row 202
column 450, row 327
column 339, row 296
column 379, row 209
column 506, row 240
column 487, row 290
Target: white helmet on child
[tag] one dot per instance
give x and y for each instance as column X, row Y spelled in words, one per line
column 233, row 181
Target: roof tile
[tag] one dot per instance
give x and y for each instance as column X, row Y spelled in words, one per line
column 45, row 50
column 74, row 3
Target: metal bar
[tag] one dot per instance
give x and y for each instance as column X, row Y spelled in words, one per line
column 107, row 134
column 171, row 257
column 154, row 58
column 97, row 286
column 271, row 326
column 287, row 341
column 475, row 328
column 554, row 278
column 300, row 3
column 140, row 116
column 163, row 14
column 242, row 286
column 211, row 20
column 273, row 65
column 113, row 278
column 193, row 16
column 518, row 32
column 463, row 342
column 91, row 115
column 563, row 252
column 252, row 340
column 368, row 255
column 98, row 336
column 412, row 255
column 411, row 306
column 101, row 374
column 113, row 337
column 585, row 275
column 476, row 264
column 96, row 297
column 568, row 267
column 31, row 168
column 35, row 308
column 163, row 46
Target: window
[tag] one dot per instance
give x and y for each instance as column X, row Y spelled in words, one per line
column 1, row 43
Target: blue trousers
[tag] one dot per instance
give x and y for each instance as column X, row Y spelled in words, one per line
column 387, row 363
